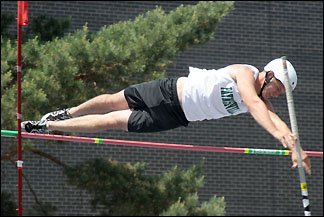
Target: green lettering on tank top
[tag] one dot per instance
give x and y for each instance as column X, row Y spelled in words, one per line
column 228, row 100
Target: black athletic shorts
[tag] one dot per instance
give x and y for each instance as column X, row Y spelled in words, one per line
column 156, row 106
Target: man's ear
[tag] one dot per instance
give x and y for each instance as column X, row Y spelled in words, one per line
column 270, row 74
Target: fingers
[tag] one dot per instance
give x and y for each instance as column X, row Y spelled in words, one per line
column 308, row 171
column 292, row 140
column 284, row 145
column 289, row 140
column 306, row 165
column 294, row 136
column 306, row 162
column 307, row 168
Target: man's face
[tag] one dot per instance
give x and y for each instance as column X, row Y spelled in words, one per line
column 273, row 89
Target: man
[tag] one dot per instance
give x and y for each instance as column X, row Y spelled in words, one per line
column 169, row 103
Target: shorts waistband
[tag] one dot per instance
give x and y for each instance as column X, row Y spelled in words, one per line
column 179, row 110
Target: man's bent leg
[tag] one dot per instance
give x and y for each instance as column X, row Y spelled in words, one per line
column 101, row 104
column 117, row 120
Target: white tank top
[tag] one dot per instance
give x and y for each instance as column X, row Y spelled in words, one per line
column 212, row 94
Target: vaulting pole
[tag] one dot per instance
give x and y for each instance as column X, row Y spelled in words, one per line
column 293, row 122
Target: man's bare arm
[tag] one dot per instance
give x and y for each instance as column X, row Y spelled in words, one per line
column 257, row 108
column 284, row 128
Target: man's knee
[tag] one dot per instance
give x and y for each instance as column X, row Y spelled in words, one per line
column 118, row 119
column 117, row 101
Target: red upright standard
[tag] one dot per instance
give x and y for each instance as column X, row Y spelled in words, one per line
column 22, row 20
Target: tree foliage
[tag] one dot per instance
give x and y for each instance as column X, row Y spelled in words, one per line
column 124, row 189
column 8, row 205
column 69, row 70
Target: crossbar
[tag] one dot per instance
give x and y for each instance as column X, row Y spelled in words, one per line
column 154, row 144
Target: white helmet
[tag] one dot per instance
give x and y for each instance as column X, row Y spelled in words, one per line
column 277, row 68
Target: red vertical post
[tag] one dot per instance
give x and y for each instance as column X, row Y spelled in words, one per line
column 22, row 19
column 19, row 162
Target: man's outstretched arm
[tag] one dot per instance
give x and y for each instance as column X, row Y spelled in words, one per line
column 284, row 128
column 265, row 117
column 257, row 108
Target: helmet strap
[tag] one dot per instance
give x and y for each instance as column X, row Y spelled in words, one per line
column 266, row 81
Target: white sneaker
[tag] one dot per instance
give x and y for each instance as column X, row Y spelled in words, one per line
column 58, row 115
column 34, row 126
